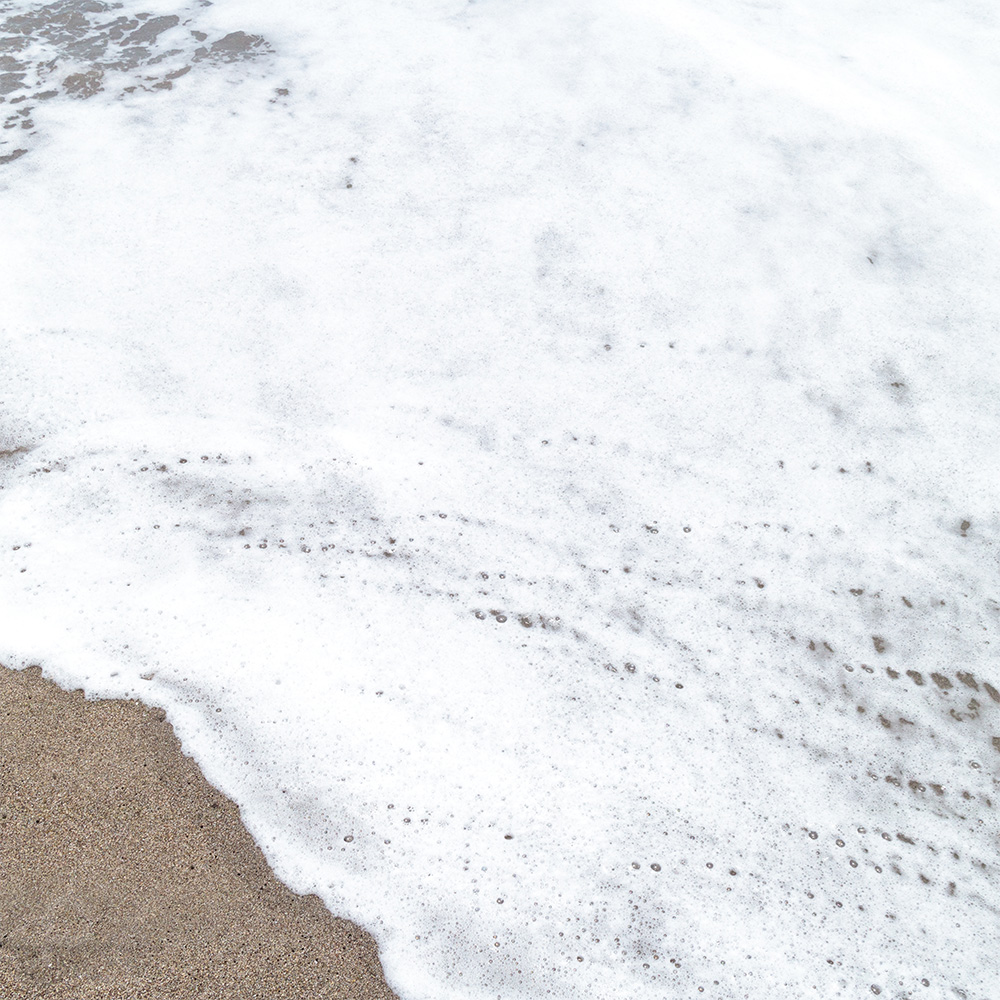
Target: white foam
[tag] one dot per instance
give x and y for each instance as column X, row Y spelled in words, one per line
column 666, row 334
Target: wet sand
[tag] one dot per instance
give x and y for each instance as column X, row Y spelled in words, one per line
column 124, row 874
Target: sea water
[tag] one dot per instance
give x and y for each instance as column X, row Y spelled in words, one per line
column 543, row 457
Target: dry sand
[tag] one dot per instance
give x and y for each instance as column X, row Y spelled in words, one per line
column 124, row 874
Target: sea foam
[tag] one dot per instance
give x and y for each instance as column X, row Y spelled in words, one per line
column 543, row 459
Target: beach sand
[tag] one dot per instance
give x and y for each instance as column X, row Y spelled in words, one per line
column 124, row 874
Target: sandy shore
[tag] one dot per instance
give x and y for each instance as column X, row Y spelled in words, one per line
column 124, row 874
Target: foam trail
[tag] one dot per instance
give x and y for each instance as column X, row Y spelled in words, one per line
column 543, row 459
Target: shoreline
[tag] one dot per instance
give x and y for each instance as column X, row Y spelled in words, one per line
column 124, row 873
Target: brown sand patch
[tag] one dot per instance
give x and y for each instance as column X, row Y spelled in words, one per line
column 124, row 874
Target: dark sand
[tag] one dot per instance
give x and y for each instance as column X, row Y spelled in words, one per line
column 124, row 874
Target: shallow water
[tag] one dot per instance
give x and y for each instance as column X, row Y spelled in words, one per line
column 542, row 459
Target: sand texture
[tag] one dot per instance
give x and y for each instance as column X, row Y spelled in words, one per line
column 124, row 874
